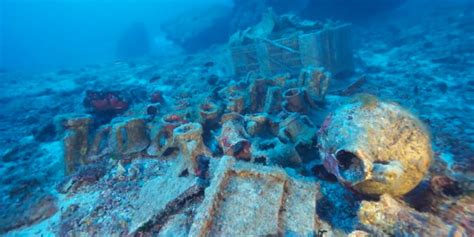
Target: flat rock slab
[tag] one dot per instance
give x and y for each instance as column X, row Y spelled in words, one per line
column 159, row 196
column 250, row 207
column 248, row 199
column 177, row 226
column 299, row 213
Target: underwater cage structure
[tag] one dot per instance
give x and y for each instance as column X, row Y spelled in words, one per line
column 329, row 48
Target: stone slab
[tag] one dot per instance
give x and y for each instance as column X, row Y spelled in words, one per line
column 158, row 195
column 246, row 199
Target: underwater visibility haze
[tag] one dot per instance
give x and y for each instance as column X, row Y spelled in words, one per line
column 237, row 118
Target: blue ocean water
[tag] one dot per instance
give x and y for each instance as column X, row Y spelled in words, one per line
column 93, row 94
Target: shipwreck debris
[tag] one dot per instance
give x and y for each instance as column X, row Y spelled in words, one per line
column 248, row 199
column 285, row 44
column 375, row 147
column 233, row 138
column 75, row 140
column 129, row 137
column 159, row 197
column 316, row 83
column 392, row 217
column 188, row 139
column 275, row 152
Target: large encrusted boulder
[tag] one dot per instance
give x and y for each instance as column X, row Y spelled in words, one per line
column 375, row 147
column 396, row 219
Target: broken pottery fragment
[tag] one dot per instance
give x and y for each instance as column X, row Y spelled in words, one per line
column 257, row 92
column 209, row 114
column 129, row 136
column 161, row 135
column 170, row 122
column 188, row 139
column 158, row 141
column 281, row 79
column 99, row 145
column 208, row 111
column 235, row 102
column 233, row 138
column 375, row 147
column 275, row 152
column 273, row 100
column 297, row 128
column 315, row 81
column 76, row 139
column 258, row 124
column 294, row 100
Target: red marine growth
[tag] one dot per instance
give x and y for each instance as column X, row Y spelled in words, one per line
column 105, row 102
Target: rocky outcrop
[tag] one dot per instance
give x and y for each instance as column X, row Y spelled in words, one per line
column 392, row 217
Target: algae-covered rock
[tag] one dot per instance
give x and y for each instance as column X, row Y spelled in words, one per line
column 394, row 218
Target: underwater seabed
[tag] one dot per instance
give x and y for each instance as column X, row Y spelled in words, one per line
column 183, row 148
